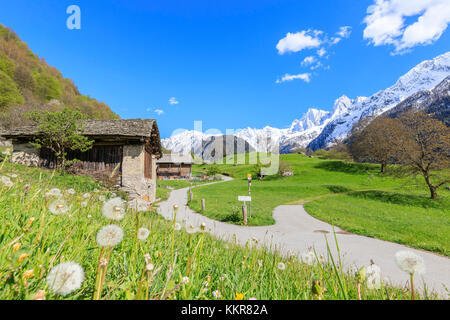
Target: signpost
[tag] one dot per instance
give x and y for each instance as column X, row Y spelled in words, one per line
column 244, row 206
column 249, row 177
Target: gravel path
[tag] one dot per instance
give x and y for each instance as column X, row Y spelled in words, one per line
column 295, row 231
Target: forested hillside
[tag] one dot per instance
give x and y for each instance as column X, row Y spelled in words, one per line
column 29, row 83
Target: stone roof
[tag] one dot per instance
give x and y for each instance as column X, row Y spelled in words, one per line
column 176, row 158
column 116, row 127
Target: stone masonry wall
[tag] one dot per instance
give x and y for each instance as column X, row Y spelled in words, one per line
column 133, row 180
column 26, row 154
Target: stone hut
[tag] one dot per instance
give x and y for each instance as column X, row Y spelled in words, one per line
column 124, row 150
column 174, row 166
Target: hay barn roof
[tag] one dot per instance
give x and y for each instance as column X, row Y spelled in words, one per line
column 175, row 158
column 116, row 127
column 127, row 129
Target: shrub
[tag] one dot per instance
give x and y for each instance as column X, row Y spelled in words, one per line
column 9, row 93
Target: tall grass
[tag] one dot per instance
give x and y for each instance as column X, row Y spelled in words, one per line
column 169, row 264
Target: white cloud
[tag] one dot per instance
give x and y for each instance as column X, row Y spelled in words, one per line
column 289, row 77
column 321, row 52
column 317, row 65
column 173, row 101
column 295, row 42
column 148, row 109
column 344, row 32
column 159, row 112
column 308, row 60
column 385, row 22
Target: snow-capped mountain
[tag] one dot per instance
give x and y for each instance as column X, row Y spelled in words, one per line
column 319, row 128
column 312, row 118
column 424, row 76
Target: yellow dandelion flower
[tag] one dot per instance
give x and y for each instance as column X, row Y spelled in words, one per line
column 40, row 295
column 239, row 296
column 23, row 256
column 28, row 274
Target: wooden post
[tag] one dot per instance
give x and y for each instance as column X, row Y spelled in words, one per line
column 244, row 213
column 203, row 205
column 191, row 195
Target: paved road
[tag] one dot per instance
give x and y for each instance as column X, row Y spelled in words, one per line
column 295, row 231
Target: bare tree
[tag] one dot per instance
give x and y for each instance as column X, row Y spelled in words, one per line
column 373, row 142
column 422, row 143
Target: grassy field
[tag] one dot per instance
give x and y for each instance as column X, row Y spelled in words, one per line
column 33, row 241
column 353, row 196
column 163, row 187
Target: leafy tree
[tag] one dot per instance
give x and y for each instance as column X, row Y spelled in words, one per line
column 6, row 65
column 423, row 145
column 9, row 93
column 47, row 87
column 212, row 170
column 60, row 132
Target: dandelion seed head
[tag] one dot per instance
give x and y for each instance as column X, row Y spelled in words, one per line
column 71, row 191
column 308, row 258
column 110, row 235
column 177, row 226
column 410, row 262
column 281, row 266
column 143, row 233
column 65, row 278
column 58, row 207
column 86, row 195
column 373, row 275
column 54, row 192
column 114, row 209
column 191, row 229
column 84, row 204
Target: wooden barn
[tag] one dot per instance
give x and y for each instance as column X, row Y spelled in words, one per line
column 125, row 150
column 174, row 166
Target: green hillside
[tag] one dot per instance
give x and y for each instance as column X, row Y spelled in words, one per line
column 28, row 83
column 352, row 196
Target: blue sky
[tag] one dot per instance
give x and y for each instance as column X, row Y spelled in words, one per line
column 221, row 59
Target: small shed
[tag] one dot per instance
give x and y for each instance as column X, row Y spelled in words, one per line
column 126, row 149
column 174, row 166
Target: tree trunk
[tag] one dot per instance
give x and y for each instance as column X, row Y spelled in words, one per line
column 433, row 189
column 383, row 167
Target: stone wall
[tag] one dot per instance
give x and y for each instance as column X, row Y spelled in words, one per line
column 133, row 180
column 26, row 154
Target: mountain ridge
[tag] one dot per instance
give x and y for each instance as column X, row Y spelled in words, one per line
column 318, row 128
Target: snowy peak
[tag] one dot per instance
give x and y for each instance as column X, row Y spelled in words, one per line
column 341, row 106
column 425, row 76
column 312, row 118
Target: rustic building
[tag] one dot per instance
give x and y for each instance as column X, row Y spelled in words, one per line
column 174, row 166
column 124, row 150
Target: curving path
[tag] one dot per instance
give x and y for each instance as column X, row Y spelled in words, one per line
column 295, row 231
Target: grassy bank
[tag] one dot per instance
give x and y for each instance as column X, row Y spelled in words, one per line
column 33, row 241
column 353, row 196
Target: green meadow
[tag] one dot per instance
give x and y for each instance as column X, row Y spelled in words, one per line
column 353, row 196
column 169, row 264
